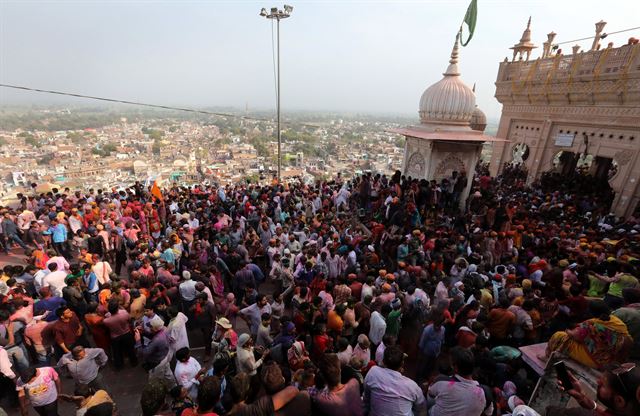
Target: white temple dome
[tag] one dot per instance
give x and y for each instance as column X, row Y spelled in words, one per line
column 448, row 101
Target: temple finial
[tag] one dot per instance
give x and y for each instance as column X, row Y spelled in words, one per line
column 452, row 69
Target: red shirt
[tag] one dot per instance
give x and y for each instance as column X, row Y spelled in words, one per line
column 66, row 332
column 356, row 289
column 192, row 412
column 321, row 343
column 465, row 338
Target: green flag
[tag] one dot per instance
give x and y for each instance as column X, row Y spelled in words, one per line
column 470, row 20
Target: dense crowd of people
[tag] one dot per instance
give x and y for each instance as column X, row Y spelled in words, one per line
column 372, row 296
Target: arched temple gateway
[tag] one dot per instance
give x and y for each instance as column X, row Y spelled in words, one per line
column 448, row 141
column 577, row 113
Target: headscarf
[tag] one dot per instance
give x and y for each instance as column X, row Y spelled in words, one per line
column 297, row 355
column 243, row 339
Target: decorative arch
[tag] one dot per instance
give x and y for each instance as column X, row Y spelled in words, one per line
column 449, row 164
column 415, row 165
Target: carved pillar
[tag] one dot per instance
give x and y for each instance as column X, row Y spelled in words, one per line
column 498, row 154
column 546, row 46
column 626, row 183
column 596, row 39
column 538, row 154
column 475, row 156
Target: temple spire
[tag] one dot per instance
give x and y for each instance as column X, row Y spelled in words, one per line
column 452, row 69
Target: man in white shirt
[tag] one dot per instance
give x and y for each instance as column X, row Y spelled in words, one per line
column 38, row 278
column 187, row 288
column 102, row 269
column 442, row 290
column 5, row 365
column 60, row 261
column 55, row 279
column 378, row 325
column 24, row 220
column 388, row 393
column 461, row 395
column 188, row 372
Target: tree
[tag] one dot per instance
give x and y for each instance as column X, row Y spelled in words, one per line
column 155, row 148
column 32, row 141
column 76, row 137
column 250, row 179
column 155, row 134
column 46, row 159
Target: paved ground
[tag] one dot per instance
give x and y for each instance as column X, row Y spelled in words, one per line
column 16, row 256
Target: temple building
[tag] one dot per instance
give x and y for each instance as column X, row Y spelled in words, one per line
column 573, row 113
column 448, row 141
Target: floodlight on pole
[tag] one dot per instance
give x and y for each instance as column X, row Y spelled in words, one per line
column 278, row 15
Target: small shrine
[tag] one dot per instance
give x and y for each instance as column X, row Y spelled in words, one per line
column 525, row 46
column 448, row 141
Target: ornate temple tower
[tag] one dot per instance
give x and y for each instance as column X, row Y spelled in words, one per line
column 574, row 111
column 525, row 46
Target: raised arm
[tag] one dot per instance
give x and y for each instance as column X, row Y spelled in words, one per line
column 284, row 396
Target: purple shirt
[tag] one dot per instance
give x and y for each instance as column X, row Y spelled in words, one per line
column 389, row 393
column 118, row 324
column 343, row 402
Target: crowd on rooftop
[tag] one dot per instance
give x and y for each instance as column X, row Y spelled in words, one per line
column 372, row 296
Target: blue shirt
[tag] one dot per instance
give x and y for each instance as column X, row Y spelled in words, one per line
column 49, row 304
column 59, row 233
column 431, row 341
column 169, row 256
column 257, row 273
column 90, row 281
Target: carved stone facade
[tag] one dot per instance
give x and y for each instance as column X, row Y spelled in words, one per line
column 585, row 103
column 437, row 160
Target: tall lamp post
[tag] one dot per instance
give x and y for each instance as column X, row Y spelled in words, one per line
column 277, row 14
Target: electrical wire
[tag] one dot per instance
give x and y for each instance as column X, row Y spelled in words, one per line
column 602, row 36
column 164, row 107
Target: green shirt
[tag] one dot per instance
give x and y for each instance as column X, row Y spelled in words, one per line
column 393, row 322
column 626, row 281
column 597, row 287
column 630, row 315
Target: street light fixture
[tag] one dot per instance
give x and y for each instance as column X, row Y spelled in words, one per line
column 278, row 15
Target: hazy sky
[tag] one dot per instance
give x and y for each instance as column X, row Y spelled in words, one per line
column 364, row 56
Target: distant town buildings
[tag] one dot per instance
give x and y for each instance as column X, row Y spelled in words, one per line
column 189, row 152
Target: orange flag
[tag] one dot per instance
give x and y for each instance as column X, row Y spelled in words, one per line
column 155, row 191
